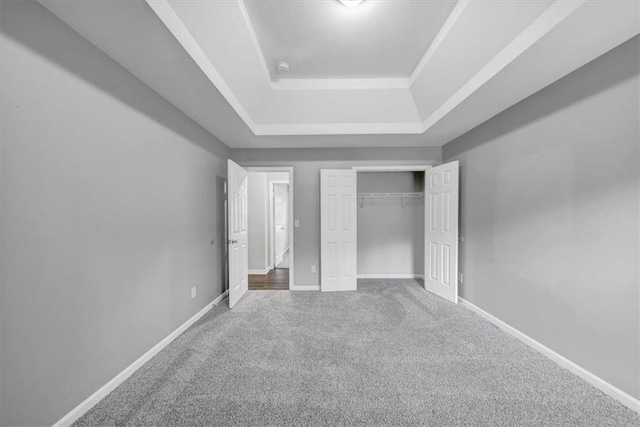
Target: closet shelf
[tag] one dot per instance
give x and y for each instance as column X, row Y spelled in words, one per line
column 390, row 199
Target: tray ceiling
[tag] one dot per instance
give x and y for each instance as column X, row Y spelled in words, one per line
column 470, row 60
column 324, row 39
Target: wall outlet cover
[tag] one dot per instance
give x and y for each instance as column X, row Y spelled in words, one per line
column 314, row 269
column 460, row 278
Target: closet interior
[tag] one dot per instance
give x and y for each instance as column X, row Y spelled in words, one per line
column 390, row 224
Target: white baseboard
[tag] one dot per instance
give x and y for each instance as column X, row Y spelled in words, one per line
column 390, row 276
column 96, row 397
column 305, row 287
column 607, row 388
column 265, row 271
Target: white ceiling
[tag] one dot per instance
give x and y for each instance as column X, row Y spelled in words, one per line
column 323, row 39
column 206, row 58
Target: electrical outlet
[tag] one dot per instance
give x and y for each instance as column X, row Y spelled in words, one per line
column 314, row 270
column 296, row 223
column 193, row 292
column 460, row 278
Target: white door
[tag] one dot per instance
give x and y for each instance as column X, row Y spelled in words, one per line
column 237, row 225
column 441, row 231
column 338, row 260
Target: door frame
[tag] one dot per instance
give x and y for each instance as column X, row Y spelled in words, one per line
column 400, row 168
column 272, row 222
column 292, row 286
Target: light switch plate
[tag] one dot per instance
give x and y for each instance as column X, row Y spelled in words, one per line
column 296, row 223
column 193, row 292
column 314, row 269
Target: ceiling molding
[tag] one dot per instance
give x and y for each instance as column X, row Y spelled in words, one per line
column 340, row 84
column 352, row 83
column 254, row 38
column 442, row 34
column 172, row 21
column 549, row 19
column 169, row 45
column 340, row 129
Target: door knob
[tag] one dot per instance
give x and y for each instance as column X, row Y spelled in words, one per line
column 231, row 242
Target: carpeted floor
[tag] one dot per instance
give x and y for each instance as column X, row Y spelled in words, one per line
column 388, row 354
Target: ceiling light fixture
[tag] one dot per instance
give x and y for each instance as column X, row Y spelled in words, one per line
column 351, row 3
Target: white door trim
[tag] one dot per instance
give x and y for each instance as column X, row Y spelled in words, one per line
column 289, row 169
column 392, row 168
column 412, row 168
column 272, row 223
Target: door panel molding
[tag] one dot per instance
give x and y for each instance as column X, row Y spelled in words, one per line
column 338, row 230
column 441, row 236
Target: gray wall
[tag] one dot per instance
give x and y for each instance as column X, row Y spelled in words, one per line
column 110, row 198
column 549, row 211
column 258, row 221
column 306, row 182
column 390, row 237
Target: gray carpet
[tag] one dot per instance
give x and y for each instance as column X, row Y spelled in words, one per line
column 389, row 354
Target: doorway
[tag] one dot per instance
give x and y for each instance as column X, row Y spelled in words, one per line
column 270, row 234
column 338, row 232
column 391, row 220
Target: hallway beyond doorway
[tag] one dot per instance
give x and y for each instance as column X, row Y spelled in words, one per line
column 274, row 280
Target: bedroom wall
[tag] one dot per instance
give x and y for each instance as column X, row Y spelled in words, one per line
column 111, row 198
column 549, row 212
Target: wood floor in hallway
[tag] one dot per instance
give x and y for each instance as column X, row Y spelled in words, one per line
column 276, row 279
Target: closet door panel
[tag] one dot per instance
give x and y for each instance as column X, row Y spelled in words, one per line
column 441, row 236
column 338, row 227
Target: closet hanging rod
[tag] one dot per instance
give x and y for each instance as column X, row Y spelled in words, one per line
column 390, row 199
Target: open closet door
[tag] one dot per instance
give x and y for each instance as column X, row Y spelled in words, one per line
column 237, row 231
column 441, row 231
column 338, row 248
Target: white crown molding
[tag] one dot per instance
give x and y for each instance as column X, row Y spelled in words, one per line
column 339, row 128
column 549, row 19
column 442, row 34
column 254, row 39
column 340, row 84
column 172, row 21
column 353, row 83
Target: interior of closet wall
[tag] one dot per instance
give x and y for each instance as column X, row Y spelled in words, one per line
column 390, row 224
